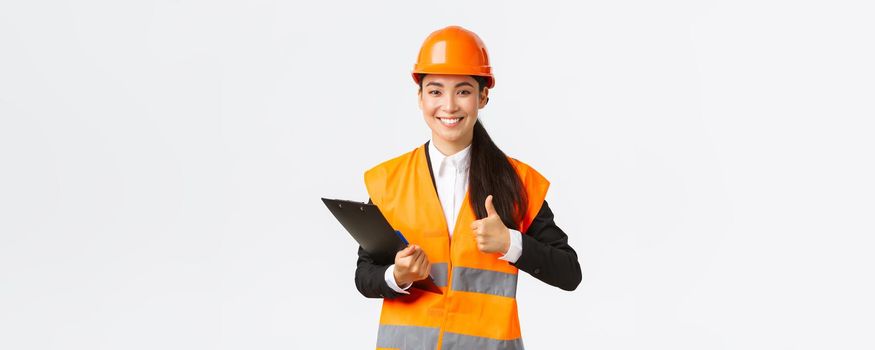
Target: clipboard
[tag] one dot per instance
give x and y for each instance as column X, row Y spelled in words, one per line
column 367, row 225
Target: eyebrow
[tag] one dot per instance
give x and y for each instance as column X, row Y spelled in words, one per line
column 442, row 85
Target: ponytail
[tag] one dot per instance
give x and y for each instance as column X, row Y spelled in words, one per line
column 492, row 173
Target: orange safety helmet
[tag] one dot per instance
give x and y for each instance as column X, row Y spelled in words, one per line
column 454, row 50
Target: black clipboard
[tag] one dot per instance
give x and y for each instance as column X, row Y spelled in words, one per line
column 367, row 225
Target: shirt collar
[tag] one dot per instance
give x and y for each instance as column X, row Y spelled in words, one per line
column 461, row 160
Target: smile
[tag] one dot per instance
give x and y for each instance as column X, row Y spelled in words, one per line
column 450, row 121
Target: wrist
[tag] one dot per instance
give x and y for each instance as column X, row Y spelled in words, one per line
column 515, row 247
column 398, row 279
column 392, row 283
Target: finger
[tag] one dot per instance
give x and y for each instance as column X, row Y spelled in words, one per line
column 478, row 228
column 407, row 251
column 417, row 252
column 424, row 273
column 490, row 209
column 417, row 262
column 403, row 260
column 481, row 246
column 482, row 229
column 424, row 264
column 479, row 239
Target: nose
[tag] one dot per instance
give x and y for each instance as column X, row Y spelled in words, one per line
column 450, row 105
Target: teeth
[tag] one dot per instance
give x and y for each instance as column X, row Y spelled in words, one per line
column 449, row 121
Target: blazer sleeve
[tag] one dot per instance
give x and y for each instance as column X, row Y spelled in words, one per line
column 370, row 275
column 546, row 254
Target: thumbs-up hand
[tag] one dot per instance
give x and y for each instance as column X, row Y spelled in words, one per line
column 491, row 234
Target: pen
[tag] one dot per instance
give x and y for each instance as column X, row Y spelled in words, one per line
column 403, row 240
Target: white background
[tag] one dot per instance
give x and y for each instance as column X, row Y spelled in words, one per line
column 161, row 164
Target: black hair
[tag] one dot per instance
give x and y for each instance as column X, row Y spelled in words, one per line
column 492, row 173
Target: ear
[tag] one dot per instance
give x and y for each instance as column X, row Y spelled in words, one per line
column 484, row 98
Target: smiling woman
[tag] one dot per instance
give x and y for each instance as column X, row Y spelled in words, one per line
column 473, row 215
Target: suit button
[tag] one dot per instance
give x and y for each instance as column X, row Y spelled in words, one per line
column 537, row 271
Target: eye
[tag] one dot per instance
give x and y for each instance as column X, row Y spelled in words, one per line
column 434, row 92
column 464, row 92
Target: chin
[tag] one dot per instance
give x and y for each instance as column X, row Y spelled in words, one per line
column 452, row 137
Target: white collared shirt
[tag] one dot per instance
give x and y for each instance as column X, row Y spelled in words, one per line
column 451, row 179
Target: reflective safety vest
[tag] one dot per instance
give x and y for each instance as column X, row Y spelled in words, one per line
column 478, row 309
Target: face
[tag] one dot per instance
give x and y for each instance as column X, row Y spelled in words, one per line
column 449, row 105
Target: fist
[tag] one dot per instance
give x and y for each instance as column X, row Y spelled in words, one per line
column 411, row 265
column 491, row 234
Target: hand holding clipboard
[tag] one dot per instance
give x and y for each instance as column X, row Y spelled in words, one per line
column 412, row 266
column 367, row 225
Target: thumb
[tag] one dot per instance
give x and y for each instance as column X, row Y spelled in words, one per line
column 490, row 209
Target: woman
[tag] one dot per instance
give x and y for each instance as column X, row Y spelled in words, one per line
column 473, row 216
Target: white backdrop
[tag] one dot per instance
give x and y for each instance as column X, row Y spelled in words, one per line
column 161, row 164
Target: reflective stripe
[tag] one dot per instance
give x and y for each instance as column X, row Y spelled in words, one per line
column 456, row 341
column 439, row 274
column 468, row 279
column 407, row 337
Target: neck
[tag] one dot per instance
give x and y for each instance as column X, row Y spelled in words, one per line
column 449, row 148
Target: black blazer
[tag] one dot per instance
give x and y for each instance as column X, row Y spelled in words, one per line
column 546, row 255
